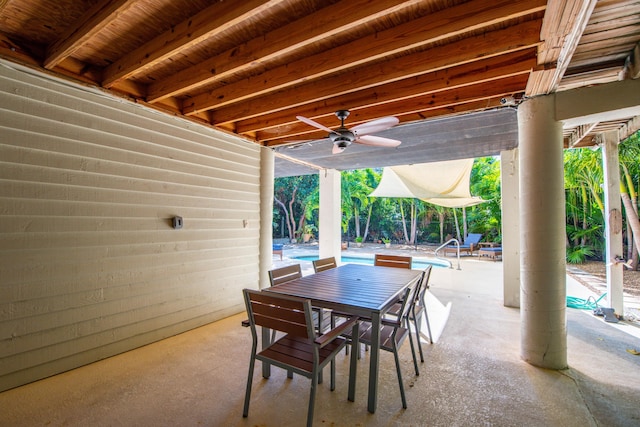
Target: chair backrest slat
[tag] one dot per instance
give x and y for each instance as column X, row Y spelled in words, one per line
column 410, row 298
column 285, row 274
column 324, row 264
column 281, row 313
column 397, row 261
column 426, row 274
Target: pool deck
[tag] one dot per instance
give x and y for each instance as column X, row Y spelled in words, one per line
column 293, row 251
column 490, row 270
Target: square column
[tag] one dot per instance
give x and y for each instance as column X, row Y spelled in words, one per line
column 267, row 174
column 509, row 174
column 330, row 216
column 613, row 221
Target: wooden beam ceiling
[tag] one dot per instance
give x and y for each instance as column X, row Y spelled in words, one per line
column 251, row 67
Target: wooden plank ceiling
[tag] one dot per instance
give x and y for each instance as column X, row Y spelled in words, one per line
column 250, row 67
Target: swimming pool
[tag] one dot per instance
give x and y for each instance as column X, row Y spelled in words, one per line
column 415, row 264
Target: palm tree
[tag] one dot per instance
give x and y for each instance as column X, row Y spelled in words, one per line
column 629, row 152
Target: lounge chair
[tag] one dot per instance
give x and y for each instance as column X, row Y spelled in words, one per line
column 471, row 243
column 278, row 249
column 492, row 253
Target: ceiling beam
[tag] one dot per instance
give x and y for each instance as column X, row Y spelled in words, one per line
column 326, row 22
column 421, row 105
column 95, row 20
column 563, row 24
column 600, row 103
column 438, row 26
column 486, row 70
column 211, row 21
column 493, row 43
column 578, row 133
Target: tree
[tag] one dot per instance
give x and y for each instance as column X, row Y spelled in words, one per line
column 294, row 196
column 486, row 218
column 629, row 152
column 356, row 187
column 584, row 205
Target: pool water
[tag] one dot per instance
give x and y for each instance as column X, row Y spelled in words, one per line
column 415, row 264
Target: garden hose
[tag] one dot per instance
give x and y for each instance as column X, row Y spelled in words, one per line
column 589, row 304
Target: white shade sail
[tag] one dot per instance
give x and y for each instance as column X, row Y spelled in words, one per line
column 440, row 183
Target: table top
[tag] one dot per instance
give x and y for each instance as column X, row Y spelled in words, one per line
column 362, row 289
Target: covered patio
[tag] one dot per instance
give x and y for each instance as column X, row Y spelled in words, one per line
column 119, row 118
column 471, row 376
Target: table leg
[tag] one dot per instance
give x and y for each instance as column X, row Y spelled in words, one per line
column 374, row 362
column 353, row 367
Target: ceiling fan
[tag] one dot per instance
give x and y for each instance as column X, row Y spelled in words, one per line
column 342, row 137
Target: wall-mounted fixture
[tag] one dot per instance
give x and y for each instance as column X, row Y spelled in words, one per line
column 508, row 100
column 177, row 222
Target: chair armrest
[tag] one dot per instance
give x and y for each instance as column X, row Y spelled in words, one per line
column 329, row 336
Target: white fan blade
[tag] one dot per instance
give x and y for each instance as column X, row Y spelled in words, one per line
column 375, row 126
column 314, row 124
column 337, row 150
column 377, row 141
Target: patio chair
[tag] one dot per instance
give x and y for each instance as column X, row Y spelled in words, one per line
column 393, row 332
column 284, row 274
column 383, row 260
column 300, row 349
column 417, row 310
column 471, row 243
column 291, row 272
column 277, row 276
column 397, row 261
column 324, row 264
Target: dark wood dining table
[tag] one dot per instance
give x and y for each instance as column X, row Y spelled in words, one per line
column 362, row 290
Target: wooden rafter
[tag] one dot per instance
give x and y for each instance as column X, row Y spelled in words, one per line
column 310, row 29
column 436, row 101
column 213, row 20
column 442, row 25
column 490, row 44
column 491, row 69
column 95, row 20
column 564, row 24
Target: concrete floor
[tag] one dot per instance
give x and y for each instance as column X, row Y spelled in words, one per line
column 473, row 375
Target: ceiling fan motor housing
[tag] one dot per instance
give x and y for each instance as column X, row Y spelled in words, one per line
column 342, row 137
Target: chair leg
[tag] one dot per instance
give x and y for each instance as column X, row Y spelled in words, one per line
column 312, row 398
column 413, row 352
column 426, row 316
column 416, row 323
column 397, row 359
column 333, row 374
column 247, row 395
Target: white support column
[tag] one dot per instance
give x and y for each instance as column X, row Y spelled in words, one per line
column 267, row 167
column 510, row 227
column 542, row 230
column 613, row 220
column 330, row 214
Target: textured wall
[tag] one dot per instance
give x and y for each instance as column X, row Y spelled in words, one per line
column 90, row 265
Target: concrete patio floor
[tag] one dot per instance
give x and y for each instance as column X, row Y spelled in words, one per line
column 473, row 375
